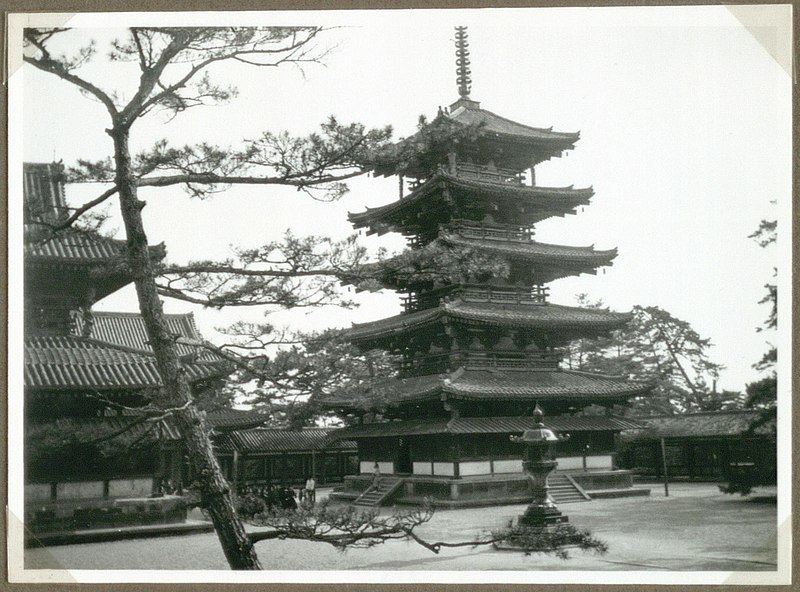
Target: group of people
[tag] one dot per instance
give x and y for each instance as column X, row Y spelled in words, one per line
column 283, row 497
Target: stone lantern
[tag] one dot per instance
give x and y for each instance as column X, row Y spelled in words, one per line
column 538, row 463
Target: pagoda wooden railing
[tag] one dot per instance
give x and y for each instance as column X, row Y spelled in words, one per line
column 468, row 171
column 487, row 174
column 493, row 232
column 512, row 360
column 472, row 360
column 477, row 293
column 536, row 295
column 425, row 364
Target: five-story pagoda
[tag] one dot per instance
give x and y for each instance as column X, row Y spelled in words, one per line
column 481, row 346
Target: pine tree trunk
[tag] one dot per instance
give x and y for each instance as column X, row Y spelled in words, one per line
column 215, row 493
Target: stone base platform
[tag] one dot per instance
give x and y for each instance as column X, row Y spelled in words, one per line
column 487, row 490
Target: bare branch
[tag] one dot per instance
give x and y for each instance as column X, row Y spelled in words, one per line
column 46, row 63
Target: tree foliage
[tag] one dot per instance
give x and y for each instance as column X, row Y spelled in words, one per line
column 663, row 349
column 346, row 528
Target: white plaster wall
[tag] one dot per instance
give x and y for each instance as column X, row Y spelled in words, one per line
column 599, row 461
column 422, row 468
column 130, row 487
column 444, row 468
column 474, row 467
column 79, row 490
column 368, row 466
column 37, row 492
column 508, row 466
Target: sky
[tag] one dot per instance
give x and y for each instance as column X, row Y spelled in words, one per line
column 685, row 123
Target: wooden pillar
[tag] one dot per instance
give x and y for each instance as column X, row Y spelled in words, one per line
column 456, row 457
column 664, row 467
column 235, row 469
column 451, row 160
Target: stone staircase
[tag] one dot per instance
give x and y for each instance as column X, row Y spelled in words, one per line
column 564, row 490
column 375, row 497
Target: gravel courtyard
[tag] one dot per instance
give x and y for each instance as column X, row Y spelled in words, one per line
column 695, row 528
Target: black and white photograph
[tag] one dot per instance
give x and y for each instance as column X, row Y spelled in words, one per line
column 401, row 296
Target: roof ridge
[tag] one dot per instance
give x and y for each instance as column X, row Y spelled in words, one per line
column 696, row 413
column 589, row 248
column 139, row 314
column 530, row 127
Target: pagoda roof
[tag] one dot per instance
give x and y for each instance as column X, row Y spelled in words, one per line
column 532, row 316
column 269, row 440
column 487, row 425
column 470, row 113
column 534, row 250
column 549, row 201
column 127, row 329
column 74, row 246
column 65, row 362
column 72, row 261
column 497, row 385
column 550, row 262
column 466, row 118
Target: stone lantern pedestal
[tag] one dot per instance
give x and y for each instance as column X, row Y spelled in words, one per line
column 542, row 516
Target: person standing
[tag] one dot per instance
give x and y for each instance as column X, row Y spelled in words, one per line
column 311, row 490
column 376, row 476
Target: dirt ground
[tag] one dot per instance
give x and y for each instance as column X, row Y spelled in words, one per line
column 696, row 528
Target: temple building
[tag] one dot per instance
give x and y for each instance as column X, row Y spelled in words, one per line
column 480, row 345
column 86, row 448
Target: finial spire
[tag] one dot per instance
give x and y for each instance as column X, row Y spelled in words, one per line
column 462, row 63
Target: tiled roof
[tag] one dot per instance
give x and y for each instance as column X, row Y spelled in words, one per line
column 493, row 123
column 230, row 419
column 496, row 385
column 517, row 315
column 128, row 330
column 487, row 425
column 538, row 251
column 552, row 199
column 69, row 362
column 73, row 246
column 547, row 261
column 280, row 440
column 128, row 429
column 702, row 425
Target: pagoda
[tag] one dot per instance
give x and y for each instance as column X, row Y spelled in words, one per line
column 480, row 348
column 85, row 372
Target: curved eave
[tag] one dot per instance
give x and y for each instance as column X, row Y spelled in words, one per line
column 492, row 124
column 545, row 316
column 513, row 386
column 543, row 143
column 487, row 425
column 394, row 325
column 553, row 200
column 536, row 251
column 548, row 316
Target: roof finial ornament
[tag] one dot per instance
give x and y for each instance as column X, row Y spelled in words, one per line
column 462, row 63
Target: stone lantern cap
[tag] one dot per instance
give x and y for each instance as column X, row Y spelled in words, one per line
column 540, row 433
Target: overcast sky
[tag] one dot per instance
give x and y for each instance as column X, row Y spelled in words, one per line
column 685, row 137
